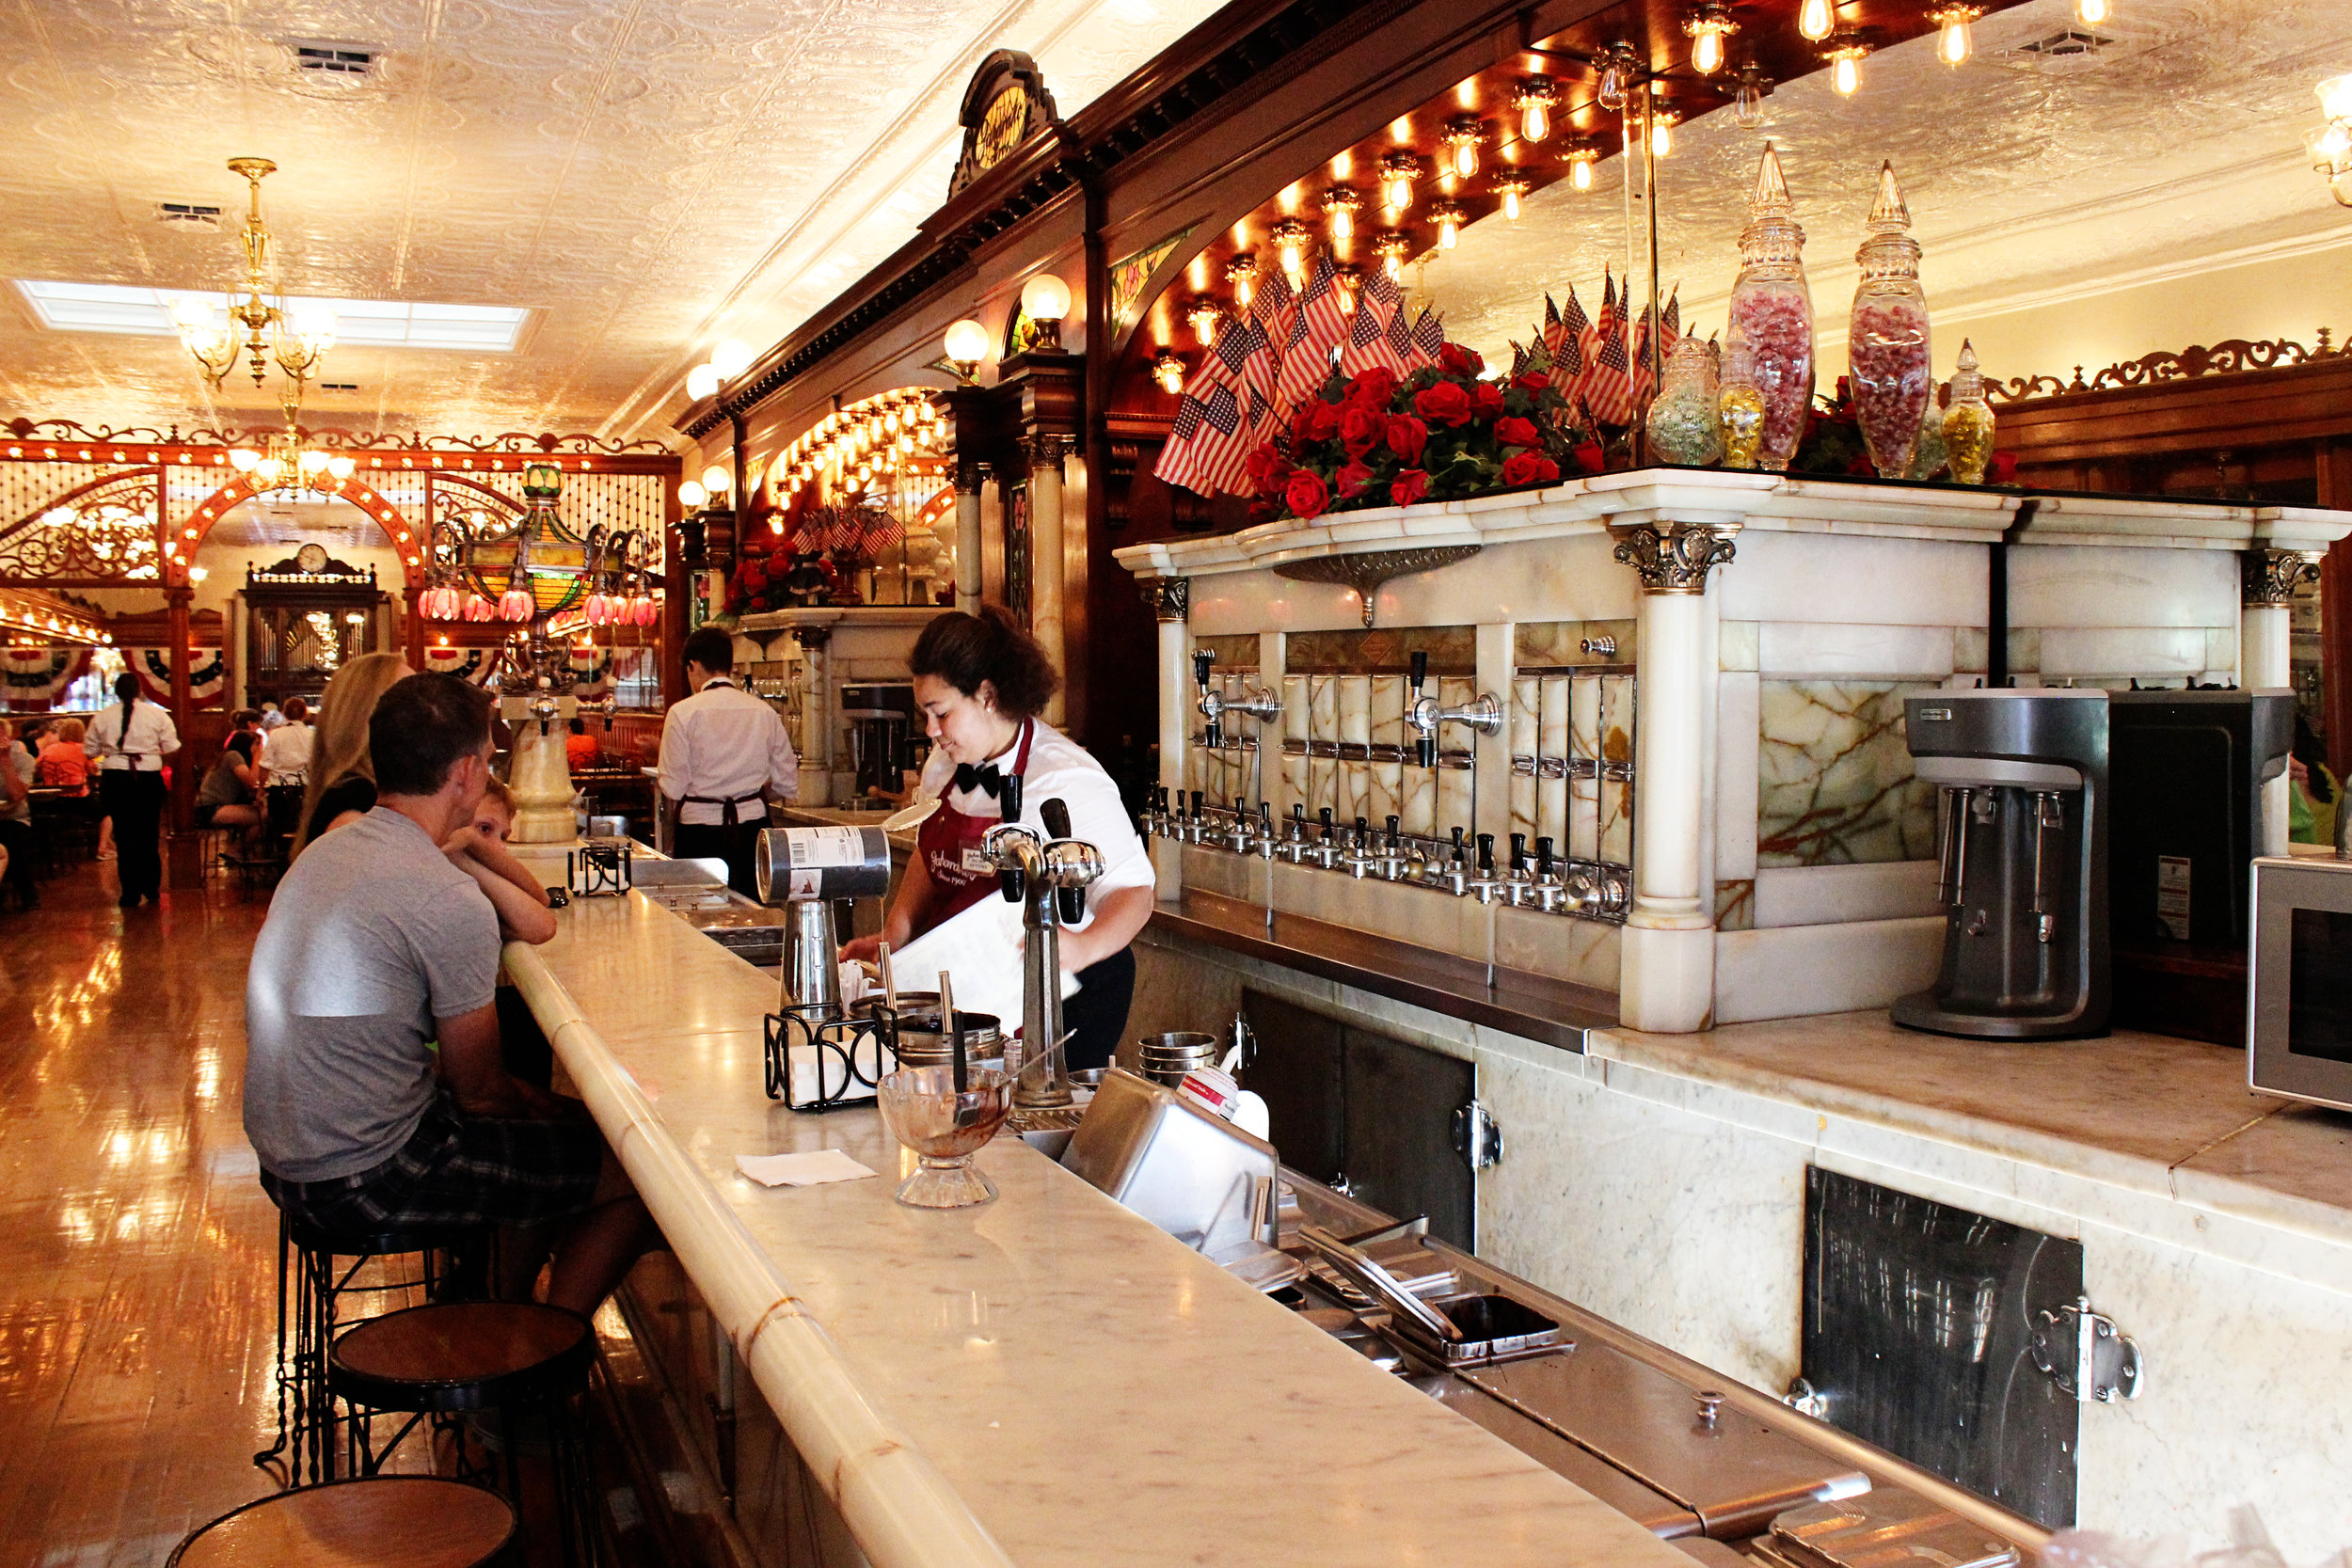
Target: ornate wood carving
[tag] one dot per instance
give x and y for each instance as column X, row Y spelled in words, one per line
column 1005, row 106
column 1677, row 559
column 2228, row 357
column 1366, row 572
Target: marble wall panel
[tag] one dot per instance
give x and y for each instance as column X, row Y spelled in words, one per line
column 1582, row 952
column 1552, row 740
column 1736, row 645
column 1616, row 746
column 1562, row 643
column 1814, row 649
column 1739, row 730
column 1859, row 581
column 1584, row 741
column 1826, row 894
column 1383, row 650
column 1970, row 642
column 1801, row 971
column 1834, row 782
column 2117, row 586
column 1234, row 651
column 1419, row 799
column 1735, row 904
column 1523, row 735
column 2172, row 652
column 1575, row 578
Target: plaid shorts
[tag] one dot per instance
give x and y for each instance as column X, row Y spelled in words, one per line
column 458, row 1170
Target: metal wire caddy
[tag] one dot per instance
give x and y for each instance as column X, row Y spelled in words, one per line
column 850, row 1053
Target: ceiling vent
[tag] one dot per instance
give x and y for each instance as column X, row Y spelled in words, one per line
column 2068, row 43
column 338, row 386
column 329, row 58
column 188, row 214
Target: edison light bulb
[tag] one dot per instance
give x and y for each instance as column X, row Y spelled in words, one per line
column 1449, row 229
column 2093, row 12
column 1846, row 76
column 1814, row 19
column 1534, row 121
column 1953, row 43
column 1512, row 190
column 1662, row 135
column 1706, row 52
column 1466, row 155
column 1581, row 174
column 1340, row 208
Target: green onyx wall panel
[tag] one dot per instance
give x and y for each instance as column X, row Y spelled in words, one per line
column 1834, row 777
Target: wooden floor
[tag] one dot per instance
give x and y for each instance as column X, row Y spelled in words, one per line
column 137, row 1250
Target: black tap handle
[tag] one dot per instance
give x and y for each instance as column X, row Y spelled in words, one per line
column 1069, row 903
column 1486, row 853
column 1265, row 818
column 1421, row 672
column 1393, row 825
column 1197, row 798
column 1324, row 812
column 1200, row 662
column 1543, row 856
column 1299, row 819
column 1426, row 750
column 1519, row 851
column 1363, row 832
column 1457, row 846
column 1014, row 884
column 1009, row 792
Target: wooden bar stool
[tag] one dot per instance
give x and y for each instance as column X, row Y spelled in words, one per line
column 326, row 1272
column 387, row 1521
column 517, row 1358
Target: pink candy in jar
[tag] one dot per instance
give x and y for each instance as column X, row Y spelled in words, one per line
column 1887, row 348
column 1779, row 330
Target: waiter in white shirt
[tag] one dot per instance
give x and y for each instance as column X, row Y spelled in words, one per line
column 723, row 751
column 981, row 682
column 130, row 742
column 286, row 749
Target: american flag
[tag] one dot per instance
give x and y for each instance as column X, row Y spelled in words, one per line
column 1643, row 386
column 1368, row 342
column 1208, row 448
column 1608, row 385
column 1555, row 327
column 1315, row 332
column 1428, row 336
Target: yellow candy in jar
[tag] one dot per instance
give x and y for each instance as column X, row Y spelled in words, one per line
column 1968, row 441
column 1739, row 409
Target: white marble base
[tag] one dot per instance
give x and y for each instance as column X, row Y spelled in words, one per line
column 1798, row 970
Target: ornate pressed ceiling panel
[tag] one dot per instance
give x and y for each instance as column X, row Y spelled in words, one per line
column 647, row 178
column 2172, row 152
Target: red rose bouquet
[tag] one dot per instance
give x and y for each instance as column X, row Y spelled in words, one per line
column 1438, row 432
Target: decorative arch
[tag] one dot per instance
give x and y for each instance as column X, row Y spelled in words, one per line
column 407, row 537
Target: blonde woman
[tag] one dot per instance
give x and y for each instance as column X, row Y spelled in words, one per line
column 342, row 782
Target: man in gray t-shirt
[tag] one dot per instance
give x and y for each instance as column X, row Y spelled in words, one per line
column 374, row 1090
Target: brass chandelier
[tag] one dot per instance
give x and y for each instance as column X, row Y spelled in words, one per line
column 296, row 341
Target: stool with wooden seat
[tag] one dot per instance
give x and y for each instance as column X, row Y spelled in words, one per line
column 385, row 1521
column 315, row 1307
column 517, row 1358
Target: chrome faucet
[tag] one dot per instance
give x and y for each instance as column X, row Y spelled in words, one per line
column 1048, row 877
column 1265, row 708
column 1482, row 713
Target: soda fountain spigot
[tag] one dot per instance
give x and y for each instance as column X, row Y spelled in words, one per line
column 1049, row 877
column 1208, row 704
column 1482, row 713
column 1424, row 736
column 1486, row 885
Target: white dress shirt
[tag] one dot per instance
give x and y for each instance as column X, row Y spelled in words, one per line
column 724, row 744
column 152, row 738
column 286, row 751
column 1059, row 767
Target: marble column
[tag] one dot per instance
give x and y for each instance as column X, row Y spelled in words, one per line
column 1046, row 452
column 2269, row 577
column 970, row 479
column 1171, row 599
column 817, row 724
column 1667, row 974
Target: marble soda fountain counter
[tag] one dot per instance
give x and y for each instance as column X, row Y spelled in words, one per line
column 1046, row 1379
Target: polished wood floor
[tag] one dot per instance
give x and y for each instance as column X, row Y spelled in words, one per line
column 138, row 1253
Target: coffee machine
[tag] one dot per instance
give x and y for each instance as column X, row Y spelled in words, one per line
column 2021, row 820
column 880, row 715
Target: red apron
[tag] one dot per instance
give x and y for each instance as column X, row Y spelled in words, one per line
column 950, row 843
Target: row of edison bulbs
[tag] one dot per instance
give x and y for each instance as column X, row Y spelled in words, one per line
column 878, row 436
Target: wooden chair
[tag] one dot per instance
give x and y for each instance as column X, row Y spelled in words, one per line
column 381, row 1522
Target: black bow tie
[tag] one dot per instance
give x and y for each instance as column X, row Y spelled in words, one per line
column 984, row 778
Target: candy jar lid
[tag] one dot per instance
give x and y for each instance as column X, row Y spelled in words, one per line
column 1772, row 237
column 1967, row 381
column 1890, row 252
column 1739, row 360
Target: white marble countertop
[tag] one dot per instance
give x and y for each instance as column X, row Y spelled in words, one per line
column 2171, row 1117
column 1048, row 1379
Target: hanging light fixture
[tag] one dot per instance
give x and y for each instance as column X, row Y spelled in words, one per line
column 1816, row 20
column 2090, row 14
column 1290, row 243
column 1533, row 102
column 1662, row 121
column 1845, row 56
column 1620, row 68
column 1340, row 205
column 1241, row 275
column 1168, row 369
column 2330, row 146
column 1747, row 100
column 1953, row 42
column 1513, row 191
column 1392, row 248
column 1463, row 134
column 1448, row 217
column 1708, row 27
column 1581, row 161
column 1398, row 171
column 296, row 341
column 1204, row 316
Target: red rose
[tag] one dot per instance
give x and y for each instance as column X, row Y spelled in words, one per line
column 1352, row 480
column 1406, row 436
column 1488, row 398
column 1590, row 458
column 1455, row 359
column 1373, row 388
column 1360, row 429
column 1408, row 487
column 1318, row 422
column 1267, row 468
column 2002, row 469
column 1527, row 467
column 1534, row 381
column 1305, row 495
column 1445, row 403
column 1517, row 433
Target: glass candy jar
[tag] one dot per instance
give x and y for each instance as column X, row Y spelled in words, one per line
column 1772, row 310
column 1682, row 424
column 1887, row 346
column 1968, row 422
column 1927, row 454
column 1739, row 406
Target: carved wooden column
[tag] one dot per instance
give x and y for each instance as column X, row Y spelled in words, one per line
column 1171, row 599
column 2269, row 577
column 1666, row 976
column 971, row 476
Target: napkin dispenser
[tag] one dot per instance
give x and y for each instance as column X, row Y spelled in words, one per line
column 1195, row 1176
